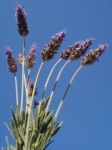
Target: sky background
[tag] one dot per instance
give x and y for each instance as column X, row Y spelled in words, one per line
column 87, row 112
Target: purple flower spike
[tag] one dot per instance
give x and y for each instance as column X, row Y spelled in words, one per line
column 21, row 21
column 12, row 66
column 51, row 48
column 30, row 87
column 66, row 54
column 30, row 58
column 94, row 55
column 77, row 50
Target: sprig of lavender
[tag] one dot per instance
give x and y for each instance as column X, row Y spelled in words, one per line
column 88, row 59
column 12, row 66
column 23, row 31
column 73, row 52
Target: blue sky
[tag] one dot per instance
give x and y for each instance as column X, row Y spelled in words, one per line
column 87, row 112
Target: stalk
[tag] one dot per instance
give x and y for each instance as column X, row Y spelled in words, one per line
column 55, row 84
column 9, row 129
column 30, row 107
column 67, row 89
column 28, row 74
column 27, row 98
column 26, row 90
column 16, row 89
column 36, row 81
column 23, row 73
column 49, row 76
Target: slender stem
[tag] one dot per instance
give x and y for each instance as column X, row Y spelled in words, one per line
column 28, row 74
column 7, row 141
column 9, row 129
column 25, row 83
column 26, row 90
column 23, row 72
column 66, row 91
column 55, row 84
column 27, row 98
column 49, row 76
column 16, row 89
column 30, row 107
column 36, row 81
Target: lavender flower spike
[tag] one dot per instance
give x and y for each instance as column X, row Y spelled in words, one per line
column 30, row 88
column 51, row 48
column 30, row 58
column 94, row 55
column 21, row 21
column 77, row 52
column 66, row 54
column 12, row 66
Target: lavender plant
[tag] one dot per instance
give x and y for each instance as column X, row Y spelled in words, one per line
column 34, row 125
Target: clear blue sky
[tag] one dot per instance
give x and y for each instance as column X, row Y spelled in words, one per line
column 87, row 113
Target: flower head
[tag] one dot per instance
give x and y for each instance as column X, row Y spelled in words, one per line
column 12, row 66
column 51, row 48
column 76, row 50
column 21, row 21
column 94, row 55
column 30, row 87
column 67, row 52
column 81, row 49
column 30, row 58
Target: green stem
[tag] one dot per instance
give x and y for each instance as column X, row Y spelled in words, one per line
column 30, row 107
column 7, row 141
column 55, row 84
column 36, row 81
column 23, row 72
column 26, row 90
column 66, row 91
column 16, row 89
column 27, row 98
column 9, row 129
column 49, row 76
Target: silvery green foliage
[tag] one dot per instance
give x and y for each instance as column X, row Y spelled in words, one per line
column 41, row 130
